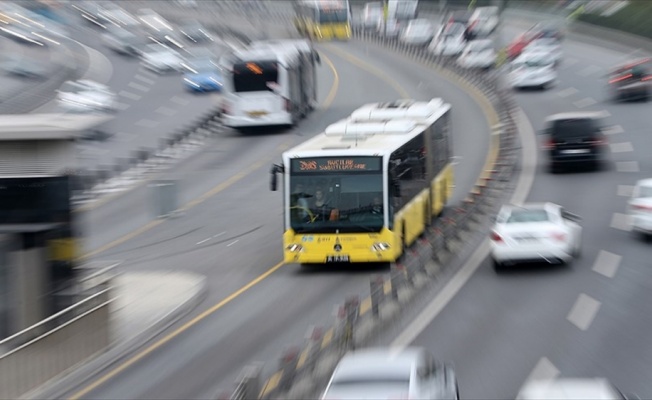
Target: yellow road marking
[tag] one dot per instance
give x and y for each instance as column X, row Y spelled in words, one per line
column 303, row 357
column 328, row 337
column 122, row 367
column 271, row 384
column 365, row 306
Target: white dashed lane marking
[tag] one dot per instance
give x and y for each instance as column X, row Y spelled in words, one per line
column 122, row 106
column 627, row 166
column 567, row 92
column 544, row 370
column 620, row 221
column 621, row 147
column 145, row 79
column 584, row 311
column 625, row 190
column 607, row 263
column 129, row 95
column 591, row 69
column 138, row 86
column 179, row 100
column 147, row 123
column 585, row 102
column 145, row 72
column 166, row 111
column 613, row 130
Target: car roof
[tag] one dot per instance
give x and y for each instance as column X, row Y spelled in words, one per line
column 575, row 115
column 374, row 362
column 569, row 388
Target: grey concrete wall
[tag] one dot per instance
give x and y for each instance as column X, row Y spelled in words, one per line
column 28, row 276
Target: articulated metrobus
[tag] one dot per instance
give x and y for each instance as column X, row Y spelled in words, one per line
column 323, row 19
column 368, row 186
column 269, row 83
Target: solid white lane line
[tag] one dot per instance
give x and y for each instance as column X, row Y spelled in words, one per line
column 584, row 311
column 233, row 242
column 166, row 111
column 585, row 102
column 604, row 114
column 591, row 69
column 607, row 263
column 219, row 234
column 613, row 130
column 138, row 86
column 621, row 147
column 627, row 166
column 145, row 79
column 544, row 370
column 179, row 100
column 567, row 92
column 129, row 95
column 621, row 221
column 625, row 190
column 204, row 241
column 144, row 71
column 523, row 185
column 147, row 123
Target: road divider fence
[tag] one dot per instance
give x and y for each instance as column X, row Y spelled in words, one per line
column 303, row 370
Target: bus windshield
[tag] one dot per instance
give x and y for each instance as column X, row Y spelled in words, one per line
column 255, row 76
column 333, row 16
column 339, row 199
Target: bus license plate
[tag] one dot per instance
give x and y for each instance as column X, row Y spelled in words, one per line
column 336, row 259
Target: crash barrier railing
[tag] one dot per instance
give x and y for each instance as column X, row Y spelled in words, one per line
column 40, row 353
column 303, row 370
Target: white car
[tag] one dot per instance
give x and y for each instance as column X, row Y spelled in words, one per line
column 417, row 32
column 449, row 41
column 384, row 373
column 161, row 58
column 535, row 232
column 549, row 46
column 86, row 96
column 372, row 15
column 484, row 21
column 640, row 208
column 478, row 54
column 570, row 388
column 532, row 70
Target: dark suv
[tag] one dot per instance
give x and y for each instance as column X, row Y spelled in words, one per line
column 631, row 81
column 575, row 138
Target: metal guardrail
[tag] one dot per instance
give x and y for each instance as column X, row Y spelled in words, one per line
column 302, row 369
column 42, row 352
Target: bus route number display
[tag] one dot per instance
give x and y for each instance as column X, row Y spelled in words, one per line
column 322, row 164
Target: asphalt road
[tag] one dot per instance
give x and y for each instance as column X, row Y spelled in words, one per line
column 234, row 236
column 586, row 319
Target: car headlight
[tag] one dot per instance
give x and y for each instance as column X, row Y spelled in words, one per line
column 380, row 246
column 294, row 248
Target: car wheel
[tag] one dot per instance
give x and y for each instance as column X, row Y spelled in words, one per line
column 498, row 266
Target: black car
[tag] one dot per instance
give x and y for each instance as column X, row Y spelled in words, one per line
column 575, row 138
column 631, row 81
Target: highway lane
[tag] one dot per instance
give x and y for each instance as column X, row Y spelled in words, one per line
column 276, row 312
column 587, row 319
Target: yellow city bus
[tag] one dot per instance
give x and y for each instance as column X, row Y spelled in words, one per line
column 323, row 19
column 368, row 186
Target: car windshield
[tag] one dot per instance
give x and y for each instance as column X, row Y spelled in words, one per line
column 531, row 64
column 480, row 46
column 527, row 215
column 645, row 191
column 574, row 127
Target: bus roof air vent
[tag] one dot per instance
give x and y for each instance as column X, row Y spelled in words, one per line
column 340, row 147
column 352, row 129
column 409, row 110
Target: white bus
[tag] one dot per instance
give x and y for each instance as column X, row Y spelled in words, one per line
column 269, row 83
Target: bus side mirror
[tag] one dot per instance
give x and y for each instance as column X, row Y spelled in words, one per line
column 273, row 183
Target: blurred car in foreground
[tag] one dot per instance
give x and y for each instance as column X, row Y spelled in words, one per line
column 418, row 32
column 23, row 67
column 161, row 58
column 86, row 96
column 449, row 41
column 123, row 41
column 575, row 138
column 202, row 76
column 478, row 54
column 631, row 81
column 570, row 389
column 532, row 70
column 550, row 47
column 640, row 208
column 534, row 232
column 384, row 373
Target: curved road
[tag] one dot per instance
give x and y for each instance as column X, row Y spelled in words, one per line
column 587, row 319
column 232, row 235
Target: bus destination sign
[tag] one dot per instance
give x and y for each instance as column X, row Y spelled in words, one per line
column 335, row 164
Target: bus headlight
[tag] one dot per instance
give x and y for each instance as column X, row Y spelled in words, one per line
column 380, row 246
column 294, row 248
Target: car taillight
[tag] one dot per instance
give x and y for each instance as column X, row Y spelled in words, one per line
column 549, row 144
column 620, row 78
column 226, row 109
column 642, row 207
column 559, row 236
column 647, row 78
column 495, row 237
